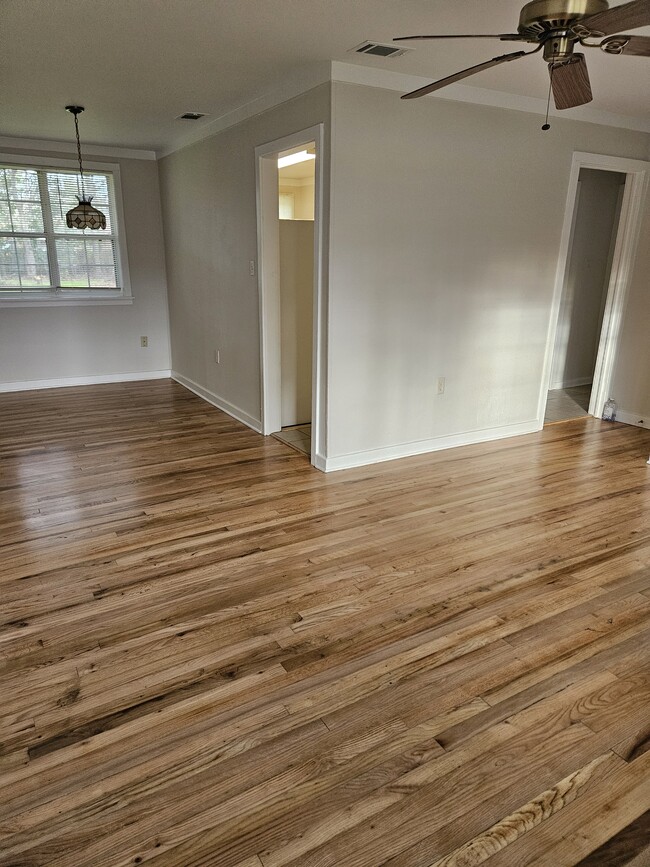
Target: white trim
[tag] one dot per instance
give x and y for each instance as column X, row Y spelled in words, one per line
column 266, row 176
column 32, row 144
column 298, row 83
column 638, row 419
column 268, row 270
column 55, row 162
column 69, row 381
column 220, row 403
column 403, row 450
column 571, row 383
column 625, row 248
column 387, row 80
column 320, row 463
column 296, row 182
column 84, row 301
column 624, row 252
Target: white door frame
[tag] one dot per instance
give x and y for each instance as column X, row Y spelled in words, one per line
column 625, row 247
column 268, row 257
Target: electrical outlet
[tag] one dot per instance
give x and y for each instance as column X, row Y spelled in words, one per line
column 441, row 385
column 144, row 341
column 251, row 267
column 217, row 356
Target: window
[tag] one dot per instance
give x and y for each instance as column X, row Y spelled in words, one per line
column 286, row 206
column 40, row 257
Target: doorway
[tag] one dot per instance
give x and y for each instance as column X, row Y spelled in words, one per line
column 600, row 235
column 597, row 210
column 296, row 188
column 290, row 226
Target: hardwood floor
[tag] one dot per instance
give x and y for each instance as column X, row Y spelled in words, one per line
column 213, row 654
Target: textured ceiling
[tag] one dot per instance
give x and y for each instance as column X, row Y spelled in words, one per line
column 138, row 64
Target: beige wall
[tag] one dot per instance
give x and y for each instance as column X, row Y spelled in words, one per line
column 208, row 193
column 303, row 198
column 445, row 230
column 581, row 312
column 296, row 318
column 44, row 343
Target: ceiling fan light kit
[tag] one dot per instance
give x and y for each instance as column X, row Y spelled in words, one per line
column 556, row 27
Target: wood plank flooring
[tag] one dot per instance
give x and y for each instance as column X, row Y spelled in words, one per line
column 213, row 654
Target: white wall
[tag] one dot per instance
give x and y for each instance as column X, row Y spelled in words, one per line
column 209, row 212
column 48, row 343
column 581, row 312
column 445, row 229
column 296, row 318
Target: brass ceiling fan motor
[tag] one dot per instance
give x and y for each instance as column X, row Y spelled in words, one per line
column 556, row 27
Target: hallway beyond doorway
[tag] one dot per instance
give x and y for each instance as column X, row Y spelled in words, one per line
column 297, row 436
column 567, row 403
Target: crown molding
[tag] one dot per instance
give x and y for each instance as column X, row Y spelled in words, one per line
column 295, row 182
column 37, row 144
column 368, row 76
column 307, row 78
column 294, row 85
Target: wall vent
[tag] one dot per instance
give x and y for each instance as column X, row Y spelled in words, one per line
column 190, row 115
column 381, row 49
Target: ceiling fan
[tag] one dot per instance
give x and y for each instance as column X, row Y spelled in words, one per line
column 556, row 26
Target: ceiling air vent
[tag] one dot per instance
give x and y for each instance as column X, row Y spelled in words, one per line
column 190, row 115
column 381, row 49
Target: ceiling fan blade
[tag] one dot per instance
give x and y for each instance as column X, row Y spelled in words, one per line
column 634, row 45
column 465, row 73
column 513, row 37
column 629, row 16
column 570, row 82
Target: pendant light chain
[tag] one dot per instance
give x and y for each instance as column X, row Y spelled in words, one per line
column 81, row 170
column 83, row 216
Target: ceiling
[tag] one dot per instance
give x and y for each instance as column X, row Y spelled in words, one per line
column 298, row 171
column 138, row 64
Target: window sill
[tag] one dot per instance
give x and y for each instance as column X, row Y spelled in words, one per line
column 63, row 302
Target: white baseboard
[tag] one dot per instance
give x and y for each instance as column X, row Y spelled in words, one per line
column 217, row 401
column 404, row 450
column 571, row 383
column 636, row 418
column 68, row 381
column 320, row 462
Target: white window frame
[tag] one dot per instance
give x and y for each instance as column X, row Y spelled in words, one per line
column 60, row 297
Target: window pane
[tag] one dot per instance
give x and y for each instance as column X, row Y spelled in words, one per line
column 286, row 206
column 19, row 185
column 8, row 252
column 64, row 189
column 86, row 262
column 26, row 217
column 23, row 263
column 20, row 207
column 5, row 217
column 9, row 278
column 102, row 277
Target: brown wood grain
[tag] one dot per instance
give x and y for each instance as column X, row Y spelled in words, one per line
column 213, row 654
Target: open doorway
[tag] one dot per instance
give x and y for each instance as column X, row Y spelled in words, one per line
column 597, row 211
column 296, row 193
column 292, row 306
column 585, row 323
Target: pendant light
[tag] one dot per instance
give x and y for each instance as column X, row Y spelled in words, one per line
column 83, row 215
